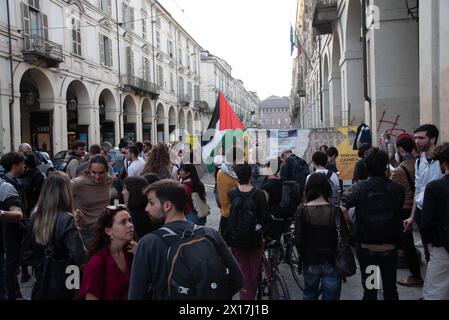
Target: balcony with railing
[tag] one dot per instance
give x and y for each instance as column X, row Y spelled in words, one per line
column 201, row 106
column 325, row 12
column 140, row 86
column 43, row 52
column 184, row 99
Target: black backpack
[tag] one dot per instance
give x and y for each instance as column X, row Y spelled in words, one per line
column 377, row 218
column 290, row 200
column 243, row 228
column 298, row 170
column 196, row 270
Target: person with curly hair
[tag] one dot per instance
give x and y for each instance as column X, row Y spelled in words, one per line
column 158, row 162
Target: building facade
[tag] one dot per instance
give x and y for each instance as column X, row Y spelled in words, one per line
column 380, row 62
column 216, row 76
column 95, row 70
column 274, row 113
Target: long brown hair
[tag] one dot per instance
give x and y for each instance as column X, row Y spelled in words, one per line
column 101, row 239
column 56, row 197
column 158, row 159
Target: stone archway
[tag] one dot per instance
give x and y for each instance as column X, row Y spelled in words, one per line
column 172, row 124
column 147, row 120
column 36, row 110
column 190, row 122
column 353, row 107
column 78, row 113
column 107, row 115
column 325, row 88
column 160, row 118
column 129, row 119
column 197, row 124
column 335, row 84
column 182, row 125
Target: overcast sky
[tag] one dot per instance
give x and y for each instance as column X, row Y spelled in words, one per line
column 253, row 36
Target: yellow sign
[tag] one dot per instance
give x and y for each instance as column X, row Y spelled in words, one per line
column 192, row 140
column 347, row 157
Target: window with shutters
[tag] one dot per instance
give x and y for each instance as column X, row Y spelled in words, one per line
column 188, row 61
column 144, row 25
column 170, row 48
column 34, row 4
column 106, row 7
column 105, row 51
column 125, row 15
column 189, row 88
column 160, row 76
column 194, row 64
column 197, row 93
column 35, row 24
column 129, row 61
column 180, row 56
column 128, row 17
column 131, row 18
column 172, row 84
column 146, row 69
column 158, row 39
column 76, row 37
column 181, row 85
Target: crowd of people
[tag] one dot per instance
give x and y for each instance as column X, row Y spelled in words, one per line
column 133, row 221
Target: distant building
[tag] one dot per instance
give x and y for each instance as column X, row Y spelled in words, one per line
column 274, row 113
column 216, row 76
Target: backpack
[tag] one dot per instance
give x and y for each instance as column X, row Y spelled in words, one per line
column 31, row 190
column 298, row 170
column 243, row 228
column 66, row 164
column 195, row 268
column 334, row 199
column 290, row 200
column 377, row 219
column 200, row 206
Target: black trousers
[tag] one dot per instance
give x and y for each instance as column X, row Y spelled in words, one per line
column 387, row 265
column 407, row 243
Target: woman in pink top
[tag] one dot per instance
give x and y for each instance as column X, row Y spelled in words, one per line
column 107, row 273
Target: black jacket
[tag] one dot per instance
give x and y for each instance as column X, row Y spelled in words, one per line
column 353, row 197
column 435, row 213
column 67, row 242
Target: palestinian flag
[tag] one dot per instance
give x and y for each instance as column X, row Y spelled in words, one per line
column 225, row 124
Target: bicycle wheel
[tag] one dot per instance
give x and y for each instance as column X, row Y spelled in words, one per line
column 262, row 285
column 278, row 289
column 293, row 261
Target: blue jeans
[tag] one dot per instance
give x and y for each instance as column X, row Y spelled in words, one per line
column 193, row 217
column 323, row 274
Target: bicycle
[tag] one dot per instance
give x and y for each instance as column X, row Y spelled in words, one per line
column 271, row 283
column 288, row 252
column 292, row 257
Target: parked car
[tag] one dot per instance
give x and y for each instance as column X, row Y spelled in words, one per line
column 58, row 160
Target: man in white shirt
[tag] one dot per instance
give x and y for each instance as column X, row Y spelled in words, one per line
column 319, row 160
column 426, row 170
column 136, row 163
